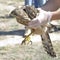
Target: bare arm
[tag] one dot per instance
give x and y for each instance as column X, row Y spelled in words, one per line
column 56, row 15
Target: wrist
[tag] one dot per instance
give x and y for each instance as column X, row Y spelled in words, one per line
column 49, row 18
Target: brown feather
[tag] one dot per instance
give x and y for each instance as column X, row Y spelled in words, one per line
column 23, row 16
column 47, row 44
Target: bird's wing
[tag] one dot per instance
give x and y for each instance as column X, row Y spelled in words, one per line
column 47, row 44
column 24, row 19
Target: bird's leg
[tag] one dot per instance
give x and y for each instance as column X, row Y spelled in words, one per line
column 27, row 38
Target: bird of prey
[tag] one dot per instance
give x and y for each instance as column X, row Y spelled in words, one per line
column 23, row 16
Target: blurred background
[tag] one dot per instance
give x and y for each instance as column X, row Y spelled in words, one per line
column 11, row 35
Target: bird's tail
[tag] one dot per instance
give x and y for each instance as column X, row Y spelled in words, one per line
column 47, row 44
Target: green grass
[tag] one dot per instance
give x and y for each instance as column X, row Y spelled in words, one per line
column 28, row 52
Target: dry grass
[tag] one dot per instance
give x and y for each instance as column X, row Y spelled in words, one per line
column 28, row 52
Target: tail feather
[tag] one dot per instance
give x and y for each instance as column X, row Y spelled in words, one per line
column 47, row 44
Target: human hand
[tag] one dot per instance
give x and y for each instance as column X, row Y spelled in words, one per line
column 41, row 19
column 58, row 10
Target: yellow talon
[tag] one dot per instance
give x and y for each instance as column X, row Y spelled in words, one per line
column 28, row 39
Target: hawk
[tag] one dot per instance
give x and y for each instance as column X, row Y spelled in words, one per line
column 23, row 16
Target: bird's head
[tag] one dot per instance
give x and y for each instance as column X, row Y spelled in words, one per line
column 15, row 12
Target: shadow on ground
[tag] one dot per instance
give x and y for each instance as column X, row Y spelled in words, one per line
column 15, row 32
column 6, row 16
